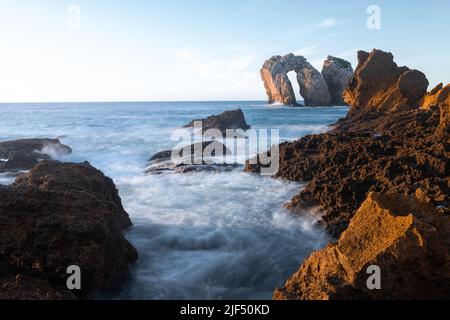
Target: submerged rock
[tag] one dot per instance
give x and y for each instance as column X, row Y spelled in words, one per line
column 403, row 236
column 337, row 74
column 378, row 84
column 20, row 155
column 63, row 214
column 233, row 119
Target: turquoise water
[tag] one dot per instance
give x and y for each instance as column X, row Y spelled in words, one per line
column 199, row 236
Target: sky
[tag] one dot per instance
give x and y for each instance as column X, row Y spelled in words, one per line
column 180, row 50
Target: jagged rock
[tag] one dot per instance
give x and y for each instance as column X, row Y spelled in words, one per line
column 389, row 152
column 440, row 97
column 313, row 87
column 199, row 157
column 233, row 119
column 20, row 155
column 406, row 238
column 378, row 84
column 337, row 74
column 63, row 214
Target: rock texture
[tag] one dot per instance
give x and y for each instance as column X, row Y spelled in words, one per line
column 440, row 97
column 279, row 89
column 337, row 74
column 398, row 152
column 20, row 155
column 57, row 215
column 200, row 157
column 378, row 84
column 234, row 119
column 402, row 235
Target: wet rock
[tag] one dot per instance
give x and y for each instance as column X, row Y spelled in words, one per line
column 20, row 155
column 233, row 119
column 63, row 214
column 379, row 85
column 199, row 157
column 403, row 236
column 337, row 74
column 396, row 152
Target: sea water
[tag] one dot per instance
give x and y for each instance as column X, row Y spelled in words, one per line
column 205, row 235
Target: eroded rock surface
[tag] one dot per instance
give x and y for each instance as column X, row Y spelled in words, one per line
column 396, row 152
column 337, row 74
column 20, row 155
column 405, row 237
column 58, row 215
column 440, row 97
column 379, row 85
column 279, row 89
column 198, row 157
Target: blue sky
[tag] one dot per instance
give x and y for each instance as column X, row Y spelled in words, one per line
column 198, row 49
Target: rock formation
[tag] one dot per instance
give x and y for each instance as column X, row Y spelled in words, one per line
column 337, row 74
column 381, row 178
column 440, row 97
column 55, row 216
column 200, row 157
column 405, row 237
column 379, row 85
column 317, row 89
column 233, row 119
column 24, row 154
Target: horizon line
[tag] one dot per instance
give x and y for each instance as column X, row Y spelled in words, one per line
column 129, row 101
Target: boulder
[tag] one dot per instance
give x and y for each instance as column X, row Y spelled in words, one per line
column 63, row 214
column 403, row 236
column 23, row 154
column 233, row 119
column 379, row 85
column 279, row 89
column 337, row 74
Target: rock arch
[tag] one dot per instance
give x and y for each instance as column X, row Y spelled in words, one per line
column 314, row 86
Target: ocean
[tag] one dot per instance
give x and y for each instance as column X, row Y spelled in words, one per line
column 221, row 235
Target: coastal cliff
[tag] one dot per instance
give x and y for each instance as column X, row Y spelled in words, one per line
column 390, row 153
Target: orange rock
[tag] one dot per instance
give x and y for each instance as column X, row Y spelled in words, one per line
column 403, row 236
column 378, row 84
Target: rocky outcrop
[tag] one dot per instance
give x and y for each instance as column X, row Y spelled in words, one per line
column 198, row 157
column 24, row 154
column 379, row 85
column 317, row 89
column 279, row 89
column 396, row 152
column 337, row 74
column 58, row 215
column 233, row 119
column 440, row 97
column 313, row 87
column 403, row 236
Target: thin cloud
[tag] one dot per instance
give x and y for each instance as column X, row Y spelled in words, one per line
column 328, row 23
column 306, row 51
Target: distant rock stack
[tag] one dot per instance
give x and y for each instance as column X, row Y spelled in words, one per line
column 337, row 73
column 317, row 89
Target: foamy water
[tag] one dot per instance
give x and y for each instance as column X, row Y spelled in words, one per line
column 201, row 235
